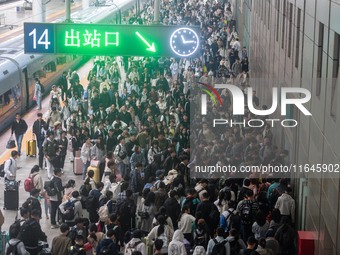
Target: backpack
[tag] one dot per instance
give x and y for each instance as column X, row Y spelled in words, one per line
column 130, row 249
column 29, row 184
column 173, row 250
column 84, row 190
column 15, row 227
column 116, row 207
column 234, row 221
column 50, row 188
column 235, row 247
column 69, row 208
column 219, row 247
column 246, row 213
column 123, row 156
column 103, row 212
column 12, row 249
column 106, row 250
column 91, row 203
column 2, row 169
column 74, row 250
column 124, row 208
column 200, row 237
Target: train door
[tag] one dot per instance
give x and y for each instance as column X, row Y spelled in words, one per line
column 26, row 101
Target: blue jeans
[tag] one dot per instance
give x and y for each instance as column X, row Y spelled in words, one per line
column 39, row 101
column 85, row 169
column 121, row 167
column 19, row 141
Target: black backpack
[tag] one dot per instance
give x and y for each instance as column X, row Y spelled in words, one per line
column 74, row 250
column 246, row 213
column 2, row 170
column 84, row 190
column 106, row 250
column 235, row 221
column 69, row 210
column 12, row 249
column 235, row 247
column 219, row 248
column 91, row 203
column 50, row 188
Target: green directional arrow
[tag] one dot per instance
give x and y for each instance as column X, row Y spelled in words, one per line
column 151, row 46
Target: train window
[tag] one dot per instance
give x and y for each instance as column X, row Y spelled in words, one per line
column 10, row 99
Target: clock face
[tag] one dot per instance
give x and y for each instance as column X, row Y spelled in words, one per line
column 184, row 42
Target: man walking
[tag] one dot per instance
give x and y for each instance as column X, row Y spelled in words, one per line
column 19, row 127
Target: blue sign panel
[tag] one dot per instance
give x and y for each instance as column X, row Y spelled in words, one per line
column 39, row 38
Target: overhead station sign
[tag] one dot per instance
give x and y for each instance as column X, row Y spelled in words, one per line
column 111, row 40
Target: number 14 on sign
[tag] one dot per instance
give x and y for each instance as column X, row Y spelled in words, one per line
column 43, row 39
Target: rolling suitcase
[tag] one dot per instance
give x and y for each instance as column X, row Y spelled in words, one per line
column 11, row 197
column 31, row 148
column 96, row 171
column 78, row 166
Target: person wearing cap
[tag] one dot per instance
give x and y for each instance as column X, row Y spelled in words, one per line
column 56, row 199
column 136, row 243
column 39, row 132
column 31, row 233
column 78, row 209
column 33, row 203
column 251, row 245
column 50, row 151
column 61, row 243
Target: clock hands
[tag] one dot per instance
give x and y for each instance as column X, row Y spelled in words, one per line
column 186, row 42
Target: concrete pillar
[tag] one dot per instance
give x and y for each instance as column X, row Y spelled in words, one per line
column 67, row 10
column 37, row 10
column 156, row 11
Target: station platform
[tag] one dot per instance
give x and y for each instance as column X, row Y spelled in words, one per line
column 26, row 163
column 13, row 15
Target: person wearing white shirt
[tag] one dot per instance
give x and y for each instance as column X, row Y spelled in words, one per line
column 185, row 223
column 10, row 167
column 286, row 204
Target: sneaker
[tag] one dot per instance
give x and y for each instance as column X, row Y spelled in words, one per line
column 54, row 226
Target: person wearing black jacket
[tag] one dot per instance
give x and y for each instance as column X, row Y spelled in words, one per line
column 127, row 209
column 209, row 212
column 63, row 84
column 57, row 198
column 108, row 243
column 31, row 233
column 129, row 145
column 39, row 127
column 19, row 127
column 173, row 209
column 32, row 203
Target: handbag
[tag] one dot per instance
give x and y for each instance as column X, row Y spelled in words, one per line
column 143, row 215
column 95, row 163
column 10, row 143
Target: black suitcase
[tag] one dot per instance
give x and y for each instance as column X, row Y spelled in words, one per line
column 11, row 199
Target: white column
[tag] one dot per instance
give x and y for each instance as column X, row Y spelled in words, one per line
column 37, row 9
